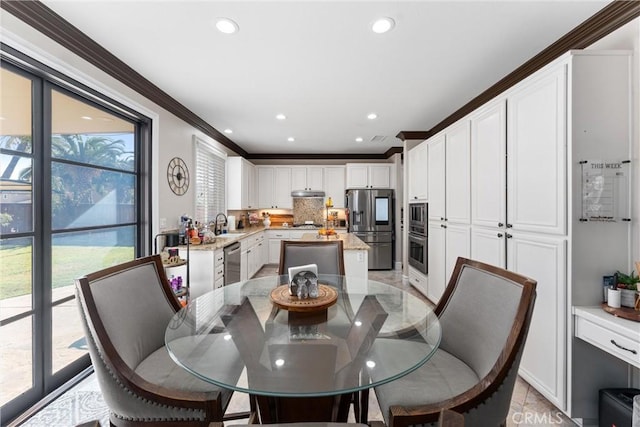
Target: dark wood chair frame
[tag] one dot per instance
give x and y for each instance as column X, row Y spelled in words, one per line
column 127, row 376
column 401, row 416
column 303, row 243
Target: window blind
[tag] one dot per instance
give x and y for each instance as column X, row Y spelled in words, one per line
column 210, row 182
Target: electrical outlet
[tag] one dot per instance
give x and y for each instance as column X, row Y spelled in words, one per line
column 163, row 223
column 360, row 257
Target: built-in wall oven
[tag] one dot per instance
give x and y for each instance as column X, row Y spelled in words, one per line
column 418, row 245
column 418, row 218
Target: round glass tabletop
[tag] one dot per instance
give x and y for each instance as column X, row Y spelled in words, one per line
column 237, row 338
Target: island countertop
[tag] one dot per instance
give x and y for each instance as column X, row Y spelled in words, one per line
column 349, row 241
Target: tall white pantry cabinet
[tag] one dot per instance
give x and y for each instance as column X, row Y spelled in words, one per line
column 525, row 177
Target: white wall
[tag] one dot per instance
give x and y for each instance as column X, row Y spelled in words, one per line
column 628, row 38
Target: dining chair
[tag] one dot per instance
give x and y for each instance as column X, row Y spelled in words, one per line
column 328, row 255
column 125, row 310
column 484, row 314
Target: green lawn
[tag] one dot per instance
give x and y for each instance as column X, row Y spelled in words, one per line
column 69, row 262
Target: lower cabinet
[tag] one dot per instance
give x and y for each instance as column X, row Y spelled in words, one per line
column 252, row 255
column 544, row 258
column 446, row 243
column 418, row 280
column 201, row 272
column 274, row 238
column 218, row 272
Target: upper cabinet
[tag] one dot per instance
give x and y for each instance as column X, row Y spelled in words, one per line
column 369, row 175
column 448, row 175
column 274, row 185
column 489, row 166
column 417, row 184
column 334, row 184
column 537, row 158
column 241, row 184
column 307, row 177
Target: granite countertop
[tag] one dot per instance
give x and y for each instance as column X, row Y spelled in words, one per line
column 234, row 236
column 349, row 241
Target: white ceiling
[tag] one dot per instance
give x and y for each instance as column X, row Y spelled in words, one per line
column 318, row 63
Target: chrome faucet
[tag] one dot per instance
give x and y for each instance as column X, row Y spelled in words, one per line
column 216, row 229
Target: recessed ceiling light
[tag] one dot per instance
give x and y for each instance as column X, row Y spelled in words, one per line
column 281, row 116
column 86, row 118
column 382, row 25
column 291, row 139
column 226, row 26
column 228, row 131
column 372, row 116
column 359, row 139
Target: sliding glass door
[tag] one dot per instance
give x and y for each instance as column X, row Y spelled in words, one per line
column 70, row 195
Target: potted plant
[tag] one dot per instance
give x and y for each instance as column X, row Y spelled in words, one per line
column 628, row 285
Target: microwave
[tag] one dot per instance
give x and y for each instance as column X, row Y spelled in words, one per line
column 418, row 213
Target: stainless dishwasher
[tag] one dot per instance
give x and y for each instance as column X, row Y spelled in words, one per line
column 232, row 263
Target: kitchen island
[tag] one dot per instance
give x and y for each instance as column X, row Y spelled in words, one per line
column 356, row 255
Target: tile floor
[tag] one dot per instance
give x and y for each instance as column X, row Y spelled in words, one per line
column 84, row 402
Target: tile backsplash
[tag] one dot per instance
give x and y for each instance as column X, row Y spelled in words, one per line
column 308, row 209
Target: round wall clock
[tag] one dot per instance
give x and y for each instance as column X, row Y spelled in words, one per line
column 178, row 176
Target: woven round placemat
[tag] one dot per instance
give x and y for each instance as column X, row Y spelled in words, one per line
column 327, row 296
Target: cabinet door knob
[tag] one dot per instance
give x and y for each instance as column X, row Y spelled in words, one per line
column 499, row 234
column 500, row 224
column 509, row 236
column 441, row 219
column 509, row 225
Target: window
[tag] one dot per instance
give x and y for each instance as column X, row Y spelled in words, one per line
column 72, row 165
column 210, row 181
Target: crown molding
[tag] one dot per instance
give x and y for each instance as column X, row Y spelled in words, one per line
column 608, row 19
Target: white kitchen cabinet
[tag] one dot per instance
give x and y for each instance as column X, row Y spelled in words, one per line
column 488, row 245
column 201, row 272
column 266, row 178
column 218, row 272
column 274, row 187
column 335, row 184
column 436, row 177
column 252, row 254
column 447, row 242
column 526, row 187
column 275, row 237
column 488, row 165
column 369, row 175
column 448, row 174
column 241, row 191
column 417, row 185
column 544, row 259
column 418, row 280
column 537, row 158
column 307, row 178
column 457, row 174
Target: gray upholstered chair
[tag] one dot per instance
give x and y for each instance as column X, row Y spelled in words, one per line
column 326, row 254
column 125, row 310
column 484, row 313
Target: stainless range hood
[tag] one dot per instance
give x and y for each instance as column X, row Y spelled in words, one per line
column 307, row 193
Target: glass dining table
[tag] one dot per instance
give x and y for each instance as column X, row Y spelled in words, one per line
column 304, row 364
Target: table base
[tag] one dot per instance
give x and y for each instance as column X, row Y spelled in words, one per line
column 311, row 409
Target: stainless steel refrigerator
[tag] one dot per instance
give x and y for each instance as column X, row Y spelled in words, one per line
column 371, row 219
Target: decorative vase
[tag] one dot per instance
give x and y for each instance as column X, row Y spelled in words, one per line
column 266, row 222
column 627, row 297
